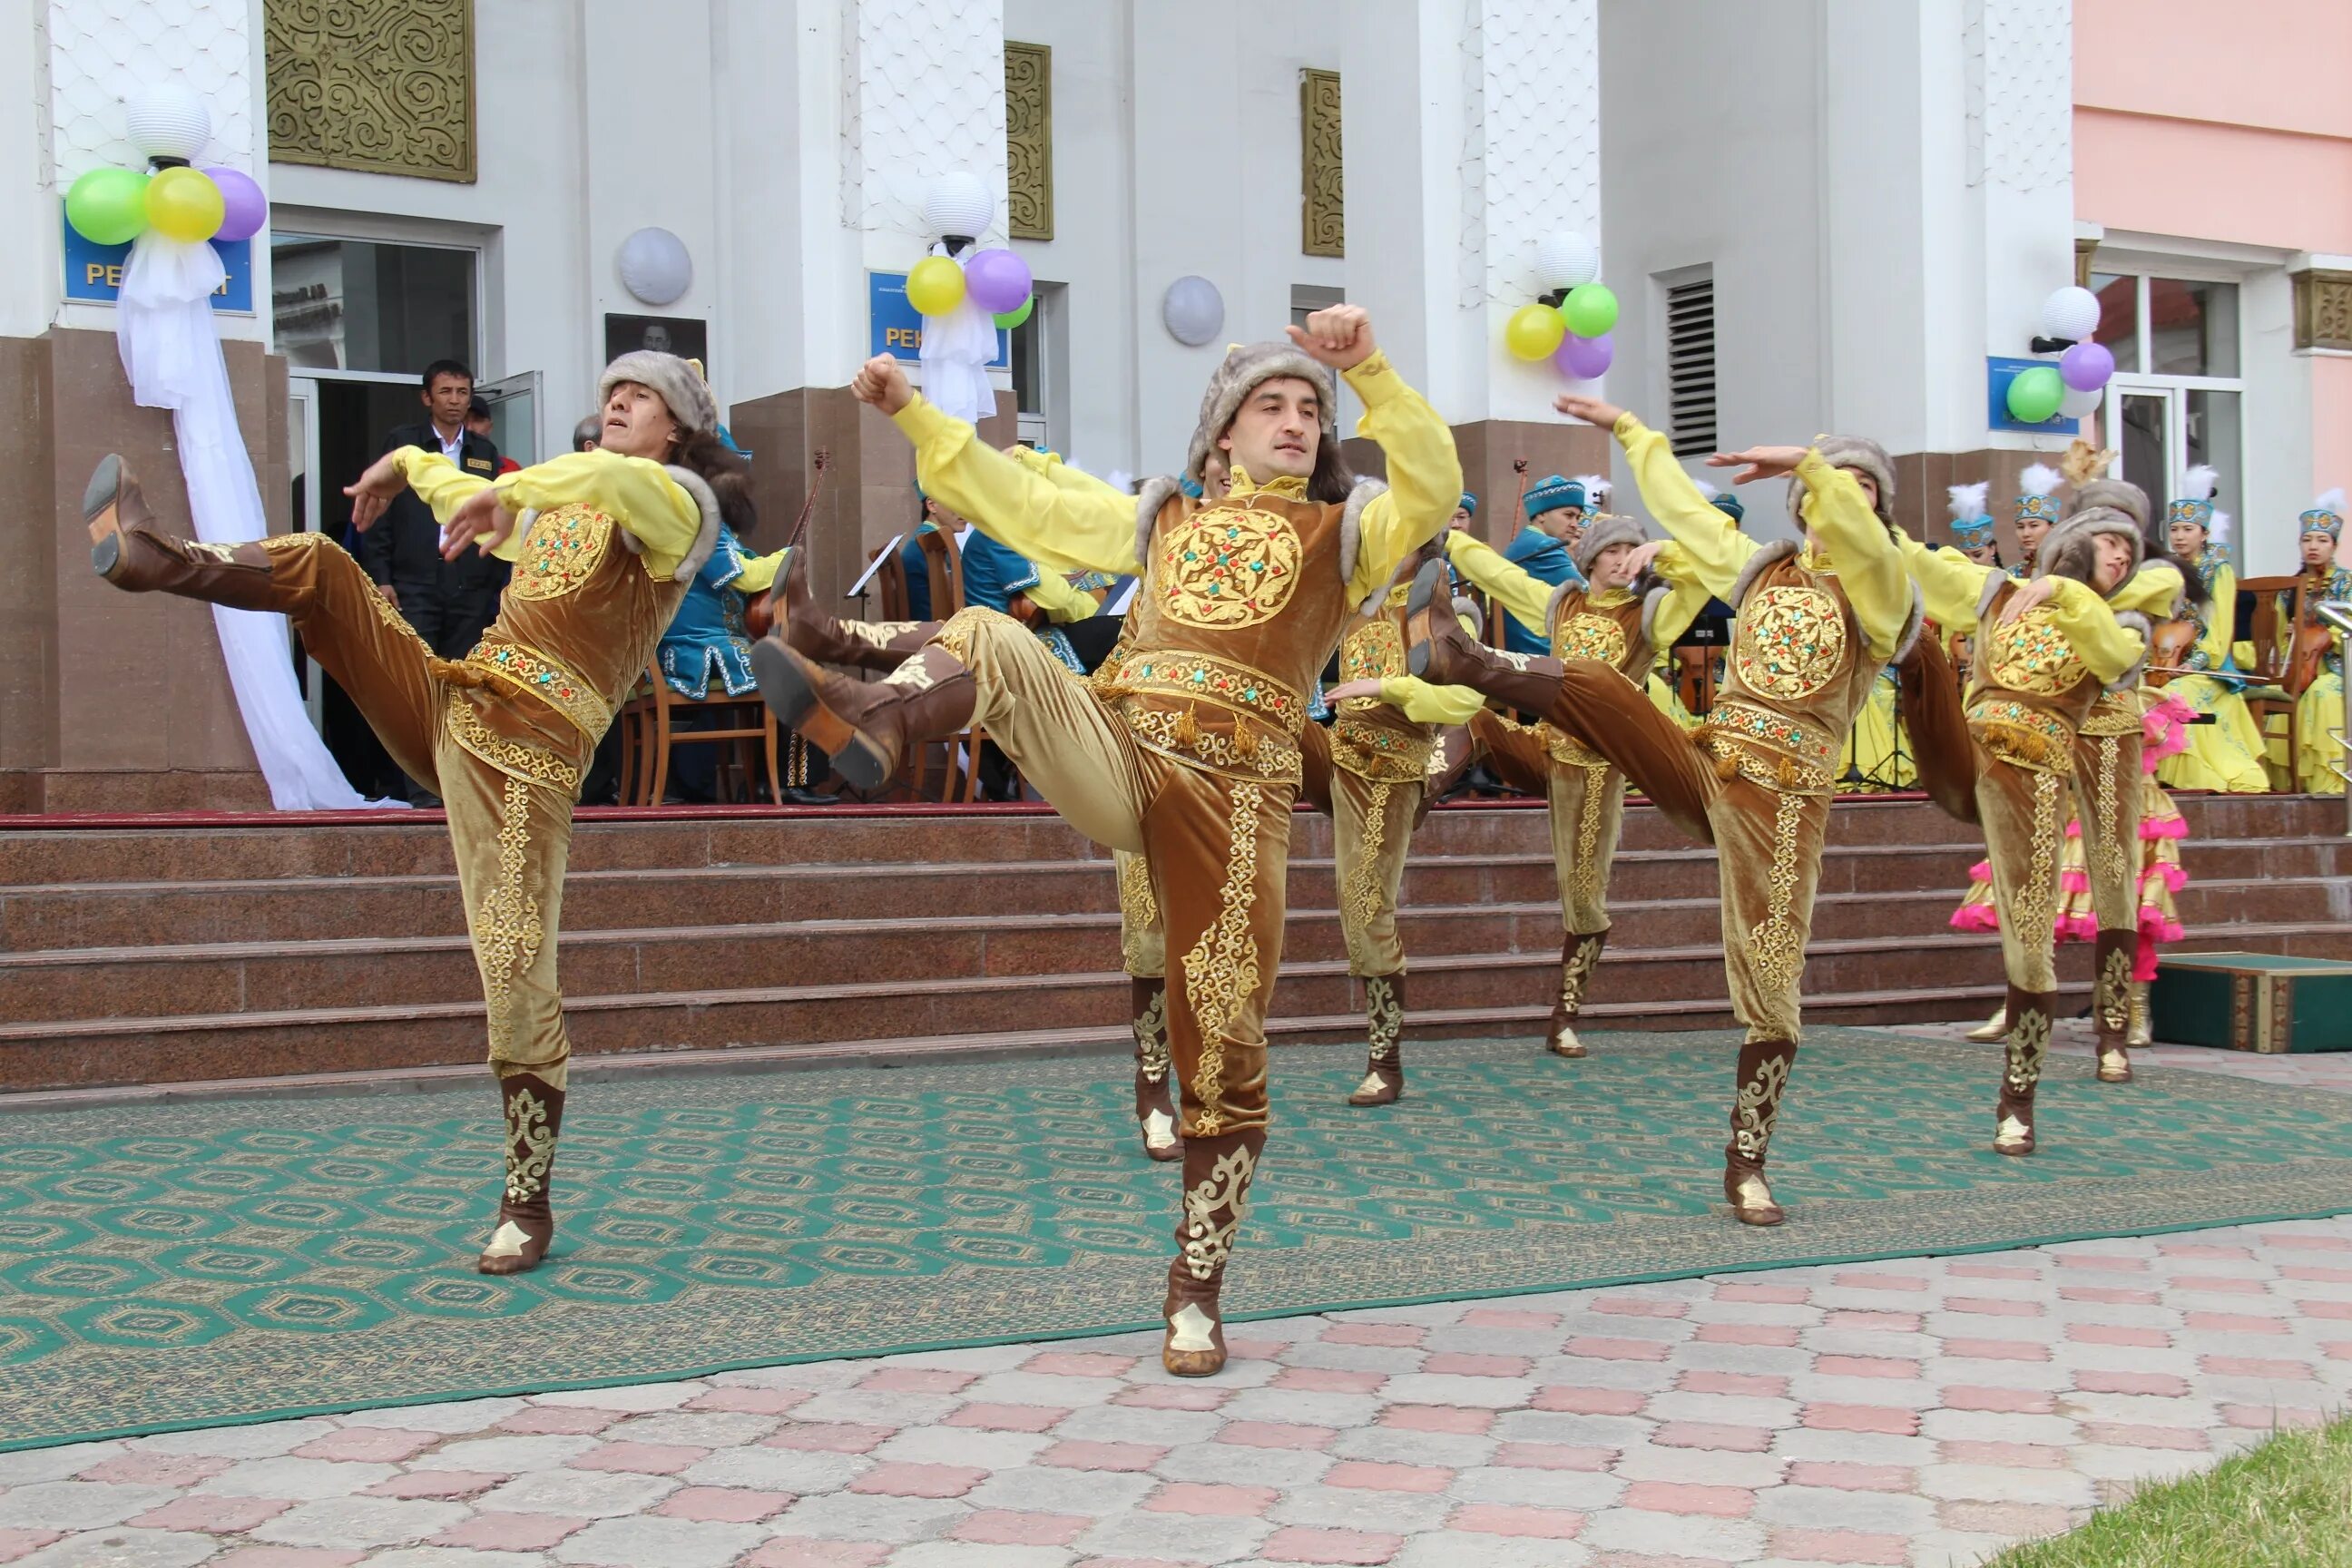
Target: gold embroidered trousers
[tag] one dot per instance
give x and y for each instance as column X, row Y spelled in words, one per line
column 1768, row 840
column 2107, row 804
column 505, row 767
column 2024, row 814
column 1216, row 849
column 1587, row 804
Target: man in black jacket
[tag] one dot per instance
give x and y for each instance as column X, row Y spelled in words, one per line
column 451, row 603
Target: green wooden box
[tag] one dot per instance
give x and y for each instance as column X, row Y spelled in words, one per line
column 2253, row 1002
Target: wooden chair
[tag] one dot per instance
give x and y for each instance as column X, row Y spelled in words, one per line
column 2277, row 610
column 944, row 571
column 650, row 729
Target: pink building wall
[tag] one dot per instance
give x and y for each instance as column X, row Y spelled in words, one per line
column 2224, row 122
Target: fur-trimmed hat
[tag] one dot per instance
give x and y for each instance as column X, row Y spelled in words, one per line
column 1245, row 367
column 2037, row 494
column 2325, row 515
column 1972, row 526
column 676, row 381
column 1864, row 456
column 2071, row 549
column 1599, row 535
column 1551, row 493
column 2121, row 494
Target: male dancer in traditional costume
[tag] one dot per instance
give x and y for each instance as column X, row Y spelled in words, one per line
column 1607, row 617
column 2047, row 650
column 1815, row 627
column 1187, row 749
column 604, row 544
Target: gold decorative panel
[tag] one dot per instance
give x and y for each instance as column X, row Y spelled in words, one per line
column 2322, row 309
column 386, row 87
column 1029, row 140
column 1323, row 227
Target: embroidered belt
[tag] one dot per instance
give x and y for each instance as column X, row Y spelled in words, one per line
column 2114, row 714
column 1203, row 678
column 1769, row 748
column 1379, row 753
column 1224, row 744
column 1566, row 750
column 528, row 670
column 2024, row 735
column 510, row 757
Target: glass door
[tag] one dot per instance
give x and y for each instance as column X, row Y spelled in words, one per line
column 302, row 454
column 2146, row 439
column 514, row 415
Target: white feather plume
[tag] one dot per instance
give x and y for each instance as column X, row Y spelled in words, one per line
column 1704, row 489
column 2040, row 479
column 1596, row 489
column 1969, row 501
column 2217, row 533
column 2198, row 482
column 2330, row 501
column 1119, row 479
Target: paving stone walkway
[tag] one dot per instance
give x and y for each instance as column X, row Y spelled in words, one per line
column 1921, row 1411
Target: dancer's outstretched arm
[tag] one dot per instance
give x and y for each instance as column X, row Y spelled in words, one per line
column 1951, row 587
column 2153, row 591
column 1712, row 548
column 2105, row 645
column 1518, row 590
column 1840, row 517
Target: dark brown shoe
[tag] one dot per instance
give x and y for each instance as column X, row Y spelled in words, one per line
column 1217, row 1174
column 864, row 728
column 125, row 550
column 1155, row 1084
column 1579, row 952
column 1384, row 1068
column 2022, row 1053
column 534, row 1117
column 2111, row 1002
column 1760, row 1081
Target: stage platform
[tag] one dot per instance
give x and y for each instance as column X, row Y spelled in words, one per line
column 221, row 951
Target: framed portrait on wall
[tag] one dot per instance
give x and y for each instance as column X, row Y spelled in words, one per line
column 688, row 337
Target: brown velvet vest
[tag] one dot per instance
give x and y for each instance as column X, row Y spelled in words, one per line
column 1370, row 738
column 1798, row 670
column 2029, row 691
column 577, row 626
column 1607, row 633
column 1243, row 600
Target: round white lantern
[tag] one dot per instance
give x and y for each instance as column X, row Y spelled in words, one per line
column 2071, row 313
column 655, row 266
column 1567, row 260
column 958, row 204
column 1193, row 309
column 170, row 120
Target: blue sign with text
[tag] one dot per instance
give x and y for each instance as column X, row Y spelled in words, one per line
column 94, row 272
column 1999, row 371
column 899, row 326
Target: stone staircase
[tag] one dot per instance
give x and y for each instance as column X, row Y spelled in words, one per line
column 153, row 954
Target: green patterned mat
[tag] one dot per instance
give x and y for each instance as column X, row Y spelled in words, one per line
column 183, row 1265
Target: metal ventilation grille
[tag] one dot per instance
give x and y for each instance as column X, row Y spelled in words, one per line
column 1690, row 364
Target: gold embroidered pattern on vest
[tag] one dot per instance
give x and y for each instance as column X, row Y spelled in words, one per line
column 1223, row 966
column 2030, row 654
column 1205, row 677
column 1789, row 641
column 563, row 549
column 1376, row 752
column 1587, row 636
column 2024, row 735
column 510, row 757
column 1178, row 733
column 1228, row 567
column 1372, row 651
column 507, row 930
column 526, row 668
column 2115, row 713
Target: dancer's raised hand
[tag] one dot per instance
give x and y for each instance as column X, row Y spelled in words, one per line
column 880, row 382
column 374, row 490
column 482, row 521
column 1340, row 337
column 1591, row 410
column 1349, row 691
column 2036, row 594
column 1762, row 462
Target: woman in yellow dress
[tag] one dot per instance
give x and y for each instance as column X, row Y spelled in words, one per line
column 2319, row 711
column 2226, row 755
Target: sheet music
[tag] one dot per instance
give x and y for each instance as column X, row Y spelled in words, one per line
column 1117, row 603
column 875, row 565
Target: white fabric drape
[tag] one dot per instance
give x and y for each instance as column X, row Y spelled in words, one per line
column 955, row 354
column 171, row 351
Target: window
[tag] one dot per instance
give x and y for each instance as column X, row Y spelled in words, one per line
column 359, row 305
column 2176, row 398
column 1690, row 363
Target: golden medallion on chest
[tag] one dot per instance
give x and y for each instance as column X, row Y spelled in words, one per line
column 1228, row 568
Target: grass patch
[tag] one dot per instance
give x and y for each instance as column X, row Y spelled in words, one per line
column 2285, row 1504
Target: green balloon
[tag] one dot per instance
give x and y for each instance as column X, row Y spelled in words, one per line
column 1589, row 310
column 1008, row 320
column 108, row 206
column 2035, row 394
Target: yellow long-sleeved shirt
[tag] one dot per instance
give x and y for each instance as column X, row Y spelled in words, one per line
column 2152, row 591
column 1070, row 527
column 1846, row 536
column 759, row 573
column 1953, row 586
column 2221, row 619
column 1528, row 597
column 636, row 493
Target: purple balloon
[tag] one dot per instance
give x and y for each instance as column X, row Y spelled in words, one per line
column 244, row 209
column 997, row 279
column 1584, row 359
column 2087, row 366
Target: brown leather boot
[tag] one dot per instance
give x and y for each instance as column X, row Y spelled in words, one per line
column 865, row 727
column 126, row 551
column 534, row 1115
column 1155, row 1101
column 1384, row 1070
column 2111, row 998
column 1442, row 653
column 1763, row 1079
column 1577, row 955
column 2020, row 1073
column 880, row 646
column 1217, row 1173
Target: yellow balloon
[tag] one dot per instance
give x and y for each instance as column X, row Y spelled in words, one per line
column 936, row 286
column 182, row 204
column 1533, row 331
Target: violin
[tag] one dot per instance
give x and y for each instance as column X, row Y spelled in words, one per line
column 759, row 614
column 2168, row 651
column 2312, row 640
